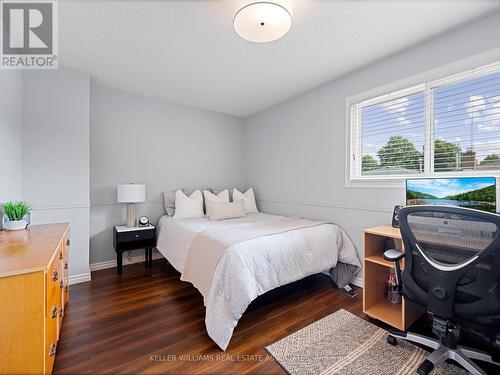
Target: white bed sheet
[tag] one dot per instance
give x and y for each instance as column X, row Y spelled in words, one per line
column 251, row 268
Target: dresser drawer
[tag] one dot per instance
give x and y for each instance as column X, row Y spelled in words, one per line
column 64, row 279
column 65, row 293
column 53, row 279
column 50, row 346
column 66, row 243
column 55, row 311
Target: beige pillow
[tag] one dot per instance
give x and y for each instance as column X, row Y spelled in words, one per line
column 248, row 198
column 211, row 198
column 188, row 207
column 169, row 199
column 229, row 210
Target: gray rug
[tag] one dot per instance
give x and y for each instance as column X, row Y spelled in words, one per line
column 343, row 343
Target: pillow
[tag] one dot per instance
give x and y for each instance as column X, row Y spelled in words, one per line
column 188, row 207
column 210, row 198
column 227, row 210
column 218, row 191
column 248, row 200
column 169, row 200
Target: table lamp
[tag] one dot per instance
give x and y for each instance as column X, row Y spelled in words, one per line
column 131, row 194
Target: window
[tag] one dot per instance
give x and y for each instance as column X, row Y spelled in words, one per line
column 450, row 126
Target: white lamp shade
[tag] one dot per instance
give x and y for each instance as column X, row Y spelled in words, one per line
column 131, row 193
column 262, row 22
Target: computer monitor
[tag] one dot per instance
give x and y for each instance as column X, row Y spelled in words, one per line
column 470, row 192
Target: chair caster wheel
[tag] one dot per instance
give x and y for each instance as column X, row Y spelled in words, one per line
column 392, row 340
column 425, row 368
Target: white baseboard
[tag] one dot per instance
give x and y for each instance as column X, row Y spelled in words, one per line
column 358, row 281
column 75, row 279
column 126, row 260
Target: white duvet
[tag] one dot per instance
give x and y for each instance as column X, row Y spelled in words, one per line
column 252, row 267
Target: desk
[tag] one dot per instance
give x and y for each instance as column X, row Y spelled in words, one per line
column 375, row 272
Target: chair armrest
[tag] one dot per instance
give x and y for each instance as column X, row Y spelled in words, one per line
column 393, row 255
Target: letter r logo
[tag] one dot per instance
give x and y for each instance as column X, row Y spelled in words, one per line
column 27, row 27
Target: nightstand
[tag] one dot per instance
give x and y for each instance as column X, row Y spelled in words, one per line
column 133, row 238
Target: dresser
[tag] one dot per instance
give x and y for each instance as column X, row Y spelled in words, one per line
column 34, row 292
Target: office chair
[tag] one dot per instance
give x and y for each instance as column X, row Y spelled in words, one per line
column 451, row 271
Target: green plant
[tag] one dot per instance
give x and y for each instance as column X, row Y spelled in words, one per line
column 16, row 210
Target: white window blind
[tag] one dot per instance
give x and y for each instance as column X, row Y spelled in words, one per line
column 440, row 127
column 467, row 124
column 393, row 136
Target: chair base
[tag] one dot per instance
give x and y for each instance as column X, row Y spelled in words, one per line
column 461, row 354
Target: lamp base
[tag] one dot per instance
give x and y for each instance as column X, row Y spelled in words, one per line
column 131, row 215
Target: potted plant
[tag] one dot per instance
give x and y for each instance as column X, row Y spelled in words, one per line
column 16, row 215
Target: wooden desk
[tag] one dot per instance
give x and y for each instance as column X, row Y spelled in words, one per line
column 375, row 272
column 34, row 292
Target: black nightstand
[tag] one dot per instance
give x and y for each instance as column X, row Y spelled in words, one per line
column 125, row 239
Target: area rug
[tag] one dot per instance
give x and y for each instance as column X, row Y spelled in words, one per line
column 343, row 343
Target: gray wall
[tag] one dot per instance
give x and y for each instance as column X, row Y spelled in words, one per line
column 165, row 146
column 10, row 135
column 295, row 151
column 55, row 155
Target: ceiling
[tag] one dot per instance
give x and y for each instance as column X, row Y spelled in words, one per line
column 187, row 51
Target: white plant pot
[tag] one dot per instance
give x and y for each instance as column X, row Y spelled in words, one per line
column 15, row 224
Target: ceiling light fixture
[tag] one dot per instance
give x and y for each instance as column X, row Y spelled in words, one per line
column 263, row 22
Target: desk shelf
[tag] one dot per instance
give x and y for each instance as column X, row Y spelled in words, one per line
column 375, row 272
column 379, row 259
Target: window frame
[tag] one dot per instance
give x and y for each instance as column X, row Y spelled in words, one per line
column 425, row 82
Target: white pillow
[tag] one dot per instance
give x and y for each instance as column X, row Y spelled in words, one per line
column 187, row 207
column 210, row 198
column 248, row 199
column 227, row 210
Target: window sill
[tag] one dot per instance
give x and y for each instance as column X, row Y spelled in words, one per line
column 399, row 181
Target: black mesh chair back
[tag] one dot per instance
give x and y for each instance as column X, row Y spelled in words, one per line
column 452, row 260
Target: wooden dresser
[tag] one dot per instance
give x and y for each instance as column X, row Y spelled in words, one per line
column 33, row 292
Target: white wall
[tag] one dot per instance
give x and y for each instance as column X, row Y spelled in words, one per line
column 10, row 135
column 295, row 151
column 165, row 146
column 55, row 155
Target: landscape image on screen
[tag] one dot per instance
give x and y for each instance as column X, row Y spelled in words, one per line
column 471, row 192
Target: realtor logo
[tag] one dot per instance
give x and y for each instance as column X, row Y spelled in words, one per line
column 29, row 34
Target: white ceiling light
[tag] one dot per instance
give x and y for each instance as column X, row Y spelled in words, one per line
column 263, row 22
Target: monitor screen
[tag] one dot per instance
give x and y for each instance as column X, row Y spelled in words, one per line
column 470, row 192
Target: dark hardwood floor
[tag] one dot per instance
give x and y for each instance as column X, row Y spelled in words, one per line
column 148, row 321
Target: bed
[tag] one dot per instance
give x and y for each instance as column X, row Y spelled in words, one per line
column 231, row 262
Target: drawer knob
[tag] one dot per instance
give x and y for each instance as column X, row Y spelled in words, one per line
column 60, row 255
column 55, row 275
column 61, row 284
column 66, row 289
column 136, row 236
column 66, row 265
column 54, row 312
column 61, row 311
column 68, row 242
column 52, row 350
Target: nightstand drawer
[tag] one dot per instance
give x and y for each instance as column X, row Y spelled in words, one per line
column 136, row 235
column 135, row 238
